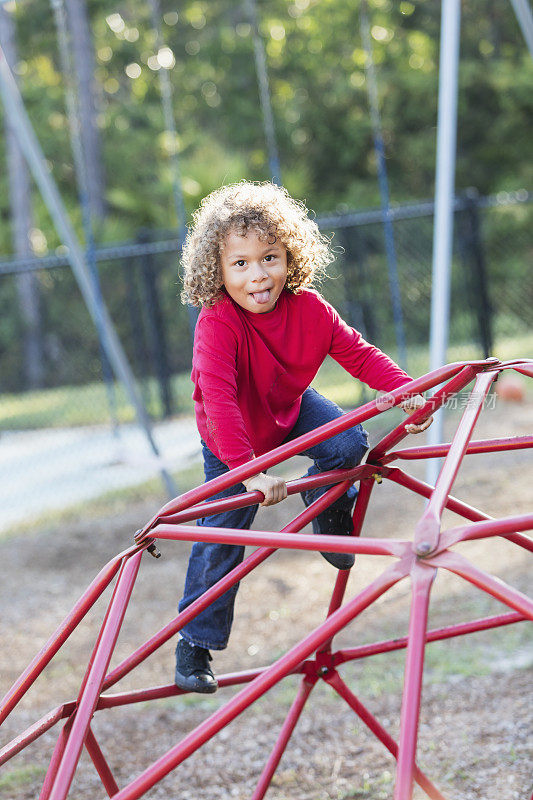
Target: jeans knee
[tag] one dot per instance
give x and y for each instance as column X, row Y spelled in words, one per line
column 352, row 448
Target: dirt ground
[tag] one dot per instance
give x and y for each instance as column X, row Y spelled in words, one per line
column 476, row 728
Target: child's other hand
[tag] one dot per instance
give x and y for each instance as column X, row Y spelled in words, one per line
column 274, row 489
column 411, row 404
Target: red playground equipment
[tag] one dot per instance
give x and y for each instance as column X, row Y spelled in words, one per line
column 313, row 657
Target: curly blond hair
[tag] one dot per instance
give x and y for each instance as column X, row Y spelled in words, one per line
column 265, row 208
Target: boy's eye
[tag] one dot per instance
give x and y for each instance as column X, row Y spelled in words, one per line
column 240, row 263
column 269, row 257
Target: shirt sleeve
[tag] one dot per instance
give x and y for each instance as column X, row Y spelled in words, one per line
column 361, row 359
column 215, row 359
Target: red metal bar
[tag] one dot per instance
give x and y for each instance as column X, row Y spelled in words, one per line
column 55, row 761
column 480, row 446
column 339, row 589
column 209, row 507
column 424, row 489
column 233, row 679
column 99, row 761
column 285, row 734
column 222, row 586
column 458, row 564
column 449, row 632
column 177, row 754
column 95, row 677
column 285, row 541
column 61, row 634
column 428, row 528
column 422, row 578
column 458, row 382
column 486, row 528
column 522, row 541
column 35, row 731
column 465, row 510
column 517, row 362
column 525, row 370
column 171, row 690
column 336, row 682
column 330, row 429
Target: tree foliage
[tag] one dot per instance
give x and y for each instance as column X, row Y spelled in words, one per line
column 316, row 67
column 316, row 64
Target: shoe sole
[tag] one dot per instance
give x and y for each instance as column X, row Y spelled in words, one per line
column 331, row 557
column 189, row 685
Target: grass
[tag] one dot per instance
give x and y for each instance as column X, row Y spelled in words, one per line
column 68, row 406
column 20, row 776
column 89, row 404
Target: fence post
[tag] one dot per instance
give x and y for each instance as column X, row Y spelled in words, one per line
column 140, row 352
column 360, row 308
column 475, row 263
column 156, row 329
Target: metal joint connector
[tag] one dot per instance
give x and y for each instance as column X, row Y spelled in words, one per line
column 152, row 547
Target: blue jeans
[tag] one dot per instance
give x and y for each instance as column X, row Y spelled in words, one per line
column 210, row 562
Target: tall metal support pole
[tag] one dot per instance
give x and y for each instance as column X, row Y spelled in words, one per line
column 82, row 179
column 34, row 156
column 388, row 228
column 444, row 194
column 264, row 93
column 525, row 20
column 165, row 90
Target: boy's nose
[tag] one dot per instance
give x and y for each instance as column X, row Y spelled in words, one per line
column 258, row 273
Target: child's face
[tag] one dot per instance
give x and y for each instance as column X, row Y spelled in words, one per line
column 253, row 271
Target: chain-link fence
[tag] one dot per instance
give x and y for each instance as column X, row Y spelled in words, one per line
column 75, row 437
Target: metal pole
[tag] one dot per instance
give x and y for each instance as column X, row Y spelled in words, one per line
column 34, row 156
column 388, row 229
column 304, row 690
column 166, row 94
column 165, row 91
column 82, row 178
column 444, row 194
column 264, row 93
column 421, row 578
column 525, row 20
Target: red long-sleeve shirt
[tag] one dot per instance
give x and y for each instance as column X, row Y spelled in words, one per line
column 250, row 370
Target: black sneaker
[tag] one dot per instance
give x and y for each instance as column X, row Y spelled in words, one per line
column 337, row 522
column 193, row 672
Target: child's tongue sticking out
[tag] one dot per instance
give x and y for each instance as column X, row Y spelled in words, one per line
column 261, row 297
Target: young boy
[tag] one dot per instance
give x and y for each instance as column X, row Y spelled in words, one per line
column 249, row 259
